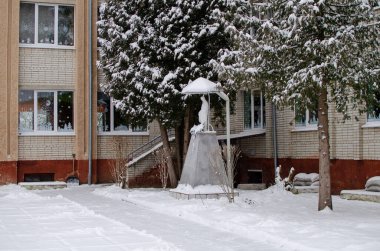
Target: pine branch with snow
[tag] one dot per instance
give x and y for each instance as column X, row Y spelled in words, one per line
column 305, row 52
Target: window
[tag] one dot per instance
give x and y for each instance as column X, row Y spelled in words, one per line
column 254, row 110
column 46, row 111
column 111, row 120
column 46, row 25
column 305, row 117
column 373, row 114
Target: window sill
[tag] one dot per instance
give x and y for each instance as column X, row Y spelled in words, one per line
column 123, row 133
column 47, row 46
column 305, row 129
column 46, row 134
column 372, row 124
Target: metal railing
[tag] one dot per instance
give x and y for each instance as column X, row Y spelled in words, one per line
column 148, row 146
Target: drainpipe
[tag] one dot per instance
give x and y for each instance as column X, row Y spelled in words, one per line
column 275, row 144
column 89, row 44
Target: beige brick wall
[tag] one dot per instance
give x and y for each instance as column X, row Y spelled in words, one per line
column 141, row 166
column 348, row 139
column 259, row 146
column 46, row 147
column 371, row 143
column 345, row 136
column 284, row 128
column 291, row 143
column 47, row 68
column 106, row 144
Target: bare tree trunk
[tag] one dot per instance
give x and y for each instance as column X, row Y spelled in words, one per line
column 324, row 152
column 178, row 149
column 166, row 145
column 186, row 132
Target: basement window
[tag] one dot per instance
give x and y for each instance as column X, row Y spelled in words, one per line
column 38, row 177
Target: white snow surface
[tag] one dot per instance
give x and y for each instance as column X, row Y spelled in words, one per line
column 306, row 177
column 109, row 218
column 203, row 189
column 200, row 86
column 373, row 181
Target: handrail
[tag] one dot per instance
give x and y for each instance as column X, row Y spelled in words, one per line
column 148, row 146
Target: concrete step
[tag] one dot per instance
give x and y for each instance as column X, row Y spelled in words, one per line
column 43, row 185
column 360, row 195
column 259, row 186
column 305, row 189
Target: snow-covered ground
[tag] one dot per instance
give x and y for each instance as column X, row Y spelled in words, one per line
column 108, row 218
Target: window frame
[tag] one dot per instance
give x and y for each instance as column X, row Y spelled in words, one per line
column 54, row 132
column 308, row 126
column 36, row 43
column 112, row 131
column 373, row 121
column 262, row 107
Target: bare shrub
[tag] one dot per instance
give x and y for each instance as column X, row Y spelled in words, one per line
column 226, row 181
column 119, row 163
column 162, row 164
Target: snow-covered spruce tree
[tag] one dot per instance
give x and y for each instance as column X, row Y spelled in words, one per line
column 151, row 49
column 316, row 50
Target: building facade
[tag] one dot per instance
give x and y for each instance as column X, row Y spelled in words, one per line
column 46, row 98
column 50, row 93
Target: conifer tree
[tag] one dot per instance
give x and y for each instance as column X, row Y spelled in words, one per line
column 151, row 49
column 324, row 50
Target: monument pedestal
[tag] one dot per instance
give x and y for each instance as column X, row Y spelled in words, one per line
column 204, row 170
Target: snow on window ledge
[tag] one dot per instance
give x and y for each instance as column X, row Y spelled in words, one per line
column 46, row 133
column 305, row 128
column 121, row 133
column 371, row 124
column 46, row 46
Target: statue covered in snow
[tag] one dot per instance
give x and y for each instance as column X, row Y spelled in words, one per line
column 203, row 118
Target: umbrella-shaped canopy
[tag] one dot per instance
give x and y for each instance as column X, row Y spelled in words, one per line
column 201, row 86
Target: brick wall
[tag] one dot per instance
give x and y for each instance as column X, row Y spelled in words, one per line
column 107, row 147
column 47, row 68
column 46, row 147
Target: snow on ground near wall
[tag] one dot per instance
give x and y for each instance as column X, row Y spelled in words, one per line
column 108, row 218
column 29, row 221
column 202, row 189
column 290, row 222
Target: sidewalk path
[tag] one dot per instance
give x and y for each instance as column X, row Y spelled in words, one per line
column 181, row 233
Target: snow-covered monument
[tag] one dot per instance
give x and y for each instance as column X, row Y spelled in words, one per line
column 204, row 172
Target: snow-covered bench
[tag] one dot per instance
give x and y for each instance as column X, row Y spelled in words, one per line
column 360, row 195
column 371, row 192
column 305, row 183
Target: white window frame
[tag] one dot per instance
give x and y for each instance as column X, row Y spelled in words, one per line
column 372, row 122
column 261, row 127
column 35, row 131
column 121, row 132
column 36, row 43
column 307, row 126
